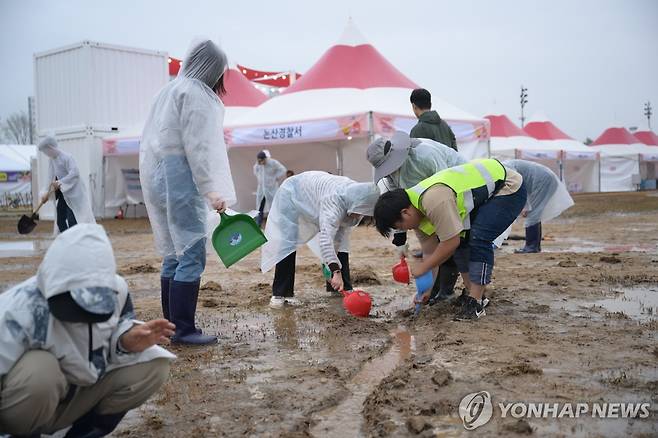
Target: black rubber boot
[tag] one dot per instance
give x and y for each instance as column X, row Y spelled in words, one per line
column 532, row 240
column 165, row 283
column 93, row 425
column 444, row 286
column 183, row 297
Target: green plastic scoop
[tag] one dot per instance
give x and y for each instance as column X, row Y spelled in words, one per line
column 235, row 237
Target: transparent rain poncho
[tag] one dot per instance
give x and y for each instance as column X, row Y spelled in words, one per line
column 426, row 157
column 63, row 167
column 268, row 176
column 547, row 195
column 315, row 203
column 182, row 153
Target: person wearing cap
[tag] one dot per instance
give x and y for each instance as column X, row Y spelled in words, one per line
column 72, row 204
column 269, row 174
column 71, row 351
column 430, row 125
column 307, row 205
column 184, row 169
column 467, row 207
column 402, row 162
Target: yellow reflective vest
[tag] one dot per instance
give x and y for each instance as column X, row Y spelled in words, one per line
column 473, row 183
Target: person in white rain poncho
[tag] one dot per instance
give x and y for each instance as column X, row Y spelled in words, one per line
column 547, row 199
column 71, row 351
column 269, row 174
column 183, row 160
column 72, row 204
column 309, row 204
column 401, row 163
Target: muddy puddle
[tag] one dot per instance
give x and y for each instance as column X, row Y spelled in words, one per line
column 22, row 248
column 578, row 245
column 346, row 419
column 638, row 303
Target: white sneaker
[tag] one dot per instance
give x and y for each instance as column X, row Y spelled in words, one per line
column 484, row 302
column 292, row 301
column 277, row 302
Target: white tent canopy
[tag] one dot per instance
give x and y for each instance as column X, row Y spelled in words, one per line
column 15, row 174
column 326, row 119
column 579, row 164
column 624, row 160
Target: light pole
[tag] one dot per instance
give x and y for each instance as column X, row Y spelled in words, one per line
column 524, row 100
column 647, row 113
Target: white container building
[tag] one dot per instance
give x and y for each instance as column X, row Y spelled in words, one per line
column 87, row 91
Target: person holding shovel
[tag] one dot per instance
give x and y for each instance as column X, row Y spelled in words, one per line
column 402, row 162
column 72, row 204
column 467, row 207
column 269, row 173
column 313, row 204
column 183, row 165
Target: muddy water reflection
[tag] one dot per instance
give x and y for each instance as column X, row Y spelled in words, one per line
column 346, row 419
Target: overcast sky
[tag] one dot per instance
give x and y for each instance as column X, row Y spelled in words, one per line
column 587, row 64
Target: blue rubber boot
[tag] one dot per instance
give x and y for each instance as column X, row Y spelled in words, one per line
column 183, row 297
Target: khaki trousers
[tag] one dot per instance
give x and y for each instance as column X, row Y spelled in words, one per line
column 35, row 397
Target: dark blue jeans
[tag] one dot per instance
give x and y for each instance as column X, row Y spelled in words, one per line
column 65, row 216
column 476, row 255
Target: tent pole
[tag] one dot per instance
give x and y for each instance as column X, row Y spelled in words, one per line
column 371, row 127
column 339, row 158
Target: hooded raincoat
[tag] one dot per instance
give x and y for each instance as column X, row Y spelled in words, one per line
column 79, row 258
column 182, row 154
column 547, row 195
column 315, row 203
column 62, row 166
column 268, row 176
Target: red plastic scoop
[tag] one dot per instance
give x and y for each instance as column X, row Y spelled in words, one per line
column 358, row 302
column 401, row 271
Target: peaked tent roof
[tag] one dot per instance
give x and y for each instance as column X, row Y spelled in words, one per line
column 351, row 63
column 340, row 85
column 647, row 137
column 616, row 136
column 239, row 91
column 541, row 128
column 502, row 126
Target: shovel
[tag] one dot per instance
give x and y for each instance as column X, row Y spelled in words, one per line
column 235, row 237
column 27, row 224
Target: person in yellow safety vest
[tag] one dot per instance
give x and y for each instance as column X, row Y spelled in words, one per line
column 467, row 207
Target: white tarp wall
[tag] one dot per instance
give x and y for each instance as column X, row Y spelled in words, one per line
column 15, row 175
column 617, row 172
column 335, row 145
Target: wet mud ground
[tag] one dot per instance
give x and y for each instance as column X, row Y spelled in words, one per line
column 576, row 323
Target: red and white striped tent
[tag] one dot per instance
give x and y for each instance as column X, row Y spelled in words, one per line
column 326, row 119
column 648, row 138
column 508, row 141
column 624, row 160
column 579, row 164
